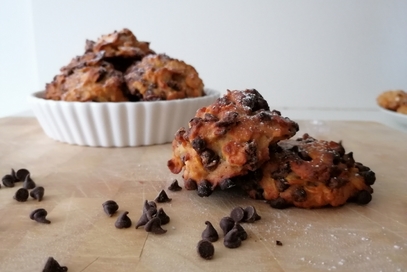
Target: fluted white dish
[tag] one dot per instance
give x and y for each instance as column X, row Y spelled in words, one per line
column 395, row 117
column 116, row 124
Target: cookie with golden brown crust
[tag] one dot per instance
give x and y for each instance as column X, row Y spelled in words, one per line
column 402, row 109
column 121, row 48
column 226, row 139
column 87, row 59
column 97, row 74
column 159, row 77
column 309, row 173
column 393, row 100
column 54, row 89
column 121, row 43
column 90, row 81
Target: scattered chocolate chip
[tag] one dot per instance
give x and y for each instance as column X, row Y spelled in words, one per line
column 190, row 184
column 123, row 221
column 37, row 193
column 226, row 224
column 152, row 212
column 230, row 119
column 53, row 266
column 13, row 174
column 174, row 187
column 149, row 209
column 21, row 195
column 210, row 232
column 237, row 214
column 254, row 101
column 8, row 181
column 198, row 144
column 240, row 231
column 110, row 207
column 164, row 218
column 281, row 184
column 276, row 112
column 142, row 221
column 257, row 217
column 279, row 243
column 232, row 239
column 278, row 203
column 264, row 116
column 369, row 176
column 348, row 159
column 209, row 159
column 363, row 197
column 299, row 194
column 39, row 215
column 210, row 118
column 337, row 182
column 28, row 182
column 205, row 249
column 361, row 167
column 226, row 184
column 251, row 155
column 204, row 188
column 250, row 214
column 149, row 205
column 154, row 226
column 162, row 197
column 21, row 174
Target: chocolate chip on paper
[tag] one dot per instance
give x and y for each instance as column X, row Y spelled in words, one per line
column 240, row 231
column 226, row 224
column 8, row 181
column 232, row 239
column 21, row 195
column 237, row 214
column 39, row 215
column 164, row 218
column 28, row 182
column 162, row 197
column 149, row 211
column 174, row 187
column 21, row 174
column 154, row 226
column 250, row 215
column 205, row 249
column 123, row 221
column 109, row 207
column 37, row 193
column 210, row 232
column 53, row 266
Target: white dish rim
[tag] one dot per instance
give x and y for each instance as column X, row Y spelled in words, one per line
column 39, row 95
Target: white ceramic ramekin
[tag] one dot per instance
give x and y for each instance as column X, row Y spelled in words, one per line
column 394, row 117
column 116, row 124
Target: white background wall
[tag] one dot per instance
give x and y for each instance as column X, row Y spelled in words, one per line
column 298, row 54
column 18, row 69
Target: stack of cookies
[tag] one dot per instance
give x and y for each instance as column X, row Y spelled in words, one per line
column 238, row 141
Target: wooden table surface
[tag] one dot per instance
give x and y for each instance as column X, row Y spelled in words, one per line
column 77, row 180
